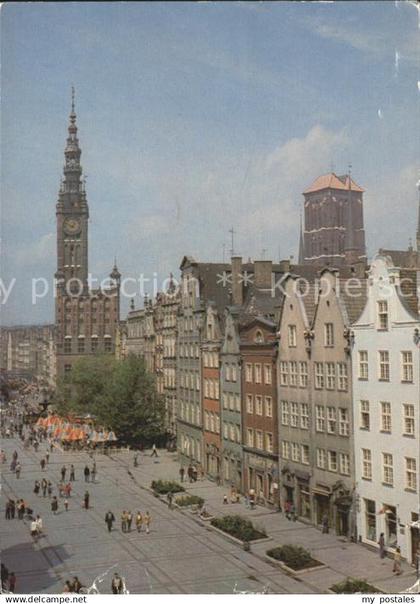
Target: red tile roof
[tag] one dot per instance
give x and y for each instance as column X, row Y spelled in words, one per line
column 332, row 181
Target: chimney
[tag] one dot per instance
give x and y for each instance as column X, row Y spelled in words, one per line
column 262, row 274
column 237, row 293
column 285, row 266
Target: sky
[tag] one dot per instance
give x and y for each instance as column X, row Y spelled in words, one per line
column 196, row 117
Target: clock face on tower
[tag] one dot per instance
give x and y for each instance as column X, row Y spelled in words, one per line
column 72, row 226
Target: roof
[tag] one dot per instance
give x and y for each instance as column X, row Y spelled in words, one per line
column 403, row 258
column 332, row 181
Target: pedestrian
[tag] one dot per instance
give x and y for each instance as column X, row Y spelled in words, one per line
column 47, row 457
column 36, row 445
column 129, row 520
column 4, row 576
column 117, row 584
column 34, row 530
column 381, row 543
column 139, row 521
column 287, row 507
column 397, row 561
column 49, row 488
column 18, row 469
column 136, row 460
column 76, row 585
column 72, row 475
column 15, row 455
column 12, row 582
column 170, row 497
column 39, row 524
column 252, row 498
column 63, row 473
column 190, row 473
column 195, row 473
column 154, row 451
column 109, row 520
column 44, row 485
column 325, row 523
column 93, row 472
column 86, row 473
column 225, row 499
column 67, row 587
column 37, row 487
column 21, row 509
column 86, row 500
column 124, row 521
column 12, row 508
column 147, row 521
column 67, row 489
column 181, row 473
column 54, row 505
column 66, row 504
column 293, row 512
column 8, row 514
column 42, row 464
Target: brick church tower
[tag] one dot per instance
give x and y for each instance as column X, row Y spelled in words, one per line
column 334, row 232
column 85, row 319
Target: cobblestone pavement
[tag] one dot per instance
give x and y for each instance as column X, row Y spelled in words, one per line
column 180, row 555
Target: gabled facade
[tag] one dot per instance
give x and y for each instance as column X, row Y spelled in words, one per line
column 386, row 369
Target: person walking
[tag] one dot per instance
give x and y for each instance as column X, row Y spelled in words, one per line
column 86, row 473
column 39, row 524
column 139, row 521
column 47, row 457
column 109, row 520
column 49, row 489
column 18, row 469
column 181, row 473
column 190, row 473
column 12, row 508
column 37, row 487
column 116, row 584
column 21, row 509
column 170, row 497
column 63, row 473
column 325, row 524
column 54, row 505
column 86, row 500
column 66, row 504
column 147, row 522
column 397, row 561
column 129, row 521
column 34, row 530
column 381, row 543
column 124, row 521
column 8, row 513
column 93, row 472
column 136, row 460
column 12, row 582
column 287, row 507
column 42, row 464
column 44, row 485
column 76, row 585
column 195, row 473
column 72, row 473
column 154, row 451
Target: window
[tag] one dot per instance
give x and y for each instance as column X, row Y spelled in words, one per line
column 365, row 415
column 329, row 334
column 305, row 454
column 67, row 346
column 267, row 374
column 330, row 381
column 250, row 437
column 320, row 418
column 295, row 452
column 344, row 464
column 387, row 469
column 238, row 403
column 342, row 377
column 108, row 345
column 257, row 373
column 285, row 413
column 227, row 372
column 67, row 368
column 304, row 416
column 303, row 374
column 269, row 442
column 293, row 368
column 225, row 401
column 319, row 375
column 231, row 402
column 331, row 420
column 81, row 345
column 285, row 449
column 292, row 336
column 363, row 365
column 206, row 421
column 370, row 515
column 268, row 406
column 283, row 373
column 225, row 430
column 259, row 441
column 409, row 422
column 384, row 365
column 332, row 461
column 294, row 415
column 258, row 405
column 249, row 403
column 320, row 458
column 383, row 314
column 232, row 373
column 248, row 373
column 407, row 366
column 410, row 474
column 343, row 422
column 386, row 417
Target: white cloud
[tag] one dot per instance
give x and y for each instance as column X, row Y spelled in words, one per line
column 36, row 252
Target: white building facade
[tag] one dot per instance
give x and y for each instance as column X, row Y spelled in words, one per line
column 386, row 372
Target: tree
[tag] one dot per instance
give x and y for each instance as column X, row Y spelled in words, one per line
column 120, row 394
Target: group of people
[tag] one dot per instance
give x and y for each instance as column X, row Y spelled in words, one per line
column 127, row 519
column 192, row 473
column 73, row 586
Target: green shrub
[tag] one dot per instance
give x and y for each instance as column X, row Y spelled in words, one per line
column 163, row 487
column 354, row 586
column 186, row 500
column 294, row 556
column 238, row 527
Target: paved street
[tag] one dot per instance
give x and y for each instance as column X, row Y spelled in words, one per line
column 181, row 554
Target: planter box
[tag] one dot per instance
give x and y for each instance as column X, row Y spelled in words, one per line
column 206, row 518
column 294, row 572
column 239, row 541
